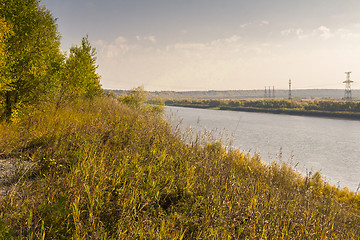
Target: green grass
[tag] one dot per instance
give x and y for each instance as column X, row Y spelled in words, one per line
column 109, row 171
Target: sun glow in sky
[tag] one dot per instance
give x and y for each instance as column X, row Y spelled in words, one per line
column 216, row 45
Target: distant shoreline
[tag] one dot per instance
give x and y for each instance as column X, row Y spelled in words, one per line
column 294, row 112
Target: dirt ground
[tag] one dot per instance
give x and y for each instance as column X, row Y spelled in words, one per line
column 11, row 170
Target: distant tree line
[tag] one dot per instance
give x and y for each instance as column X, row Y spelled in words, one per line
column 323, row 105
column 33, row 69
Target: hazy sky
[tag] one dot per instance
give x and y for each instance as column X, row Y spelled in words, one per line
column 219, row 45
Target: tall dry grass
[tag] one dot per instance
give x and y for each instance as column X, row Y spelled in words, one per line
column 105, row 170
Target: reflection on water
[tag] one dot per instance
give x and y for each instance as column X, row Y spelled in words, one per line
column 330, row 146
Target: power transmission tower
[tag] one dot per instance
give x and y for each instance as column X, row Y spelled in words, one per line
column 265, row 96
column 348, row 96
column 274, row 92
column 290, row 97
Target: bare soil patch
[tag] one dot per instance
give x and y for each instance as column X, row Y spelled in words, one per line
column 11, row 171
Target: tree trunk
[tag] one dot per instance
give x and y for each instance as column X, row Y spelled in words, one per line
column 10, row 98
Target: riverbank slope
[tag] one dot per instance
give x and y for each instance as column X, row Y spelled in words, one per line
column 104, row 169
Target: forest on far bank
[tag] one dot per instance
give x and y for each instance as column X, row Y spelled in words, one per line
column 322, row 108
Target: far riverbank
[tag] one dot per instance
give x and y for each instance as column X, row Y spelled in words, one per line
column 329, row 109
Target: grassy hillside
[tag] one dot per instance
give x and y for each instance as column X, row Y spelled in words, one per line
column 104, row 170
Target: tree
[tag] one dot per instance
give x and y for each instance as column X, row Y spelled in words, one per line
column 34, row 55
column 5, row 32
column 135, row 98
column 79, row 77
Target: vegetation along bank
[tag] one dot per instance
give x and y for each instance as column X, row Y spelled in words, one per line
column 319, row 108
column 109, row 170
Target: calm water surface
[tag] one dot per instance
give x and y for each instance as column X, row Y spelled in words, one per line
column 330, row 146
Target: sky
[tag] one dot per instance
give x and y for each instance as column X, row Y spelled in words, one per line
column 186, row 45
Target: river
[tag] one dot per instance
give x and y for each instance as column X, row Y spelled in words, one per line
column 309, row 144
